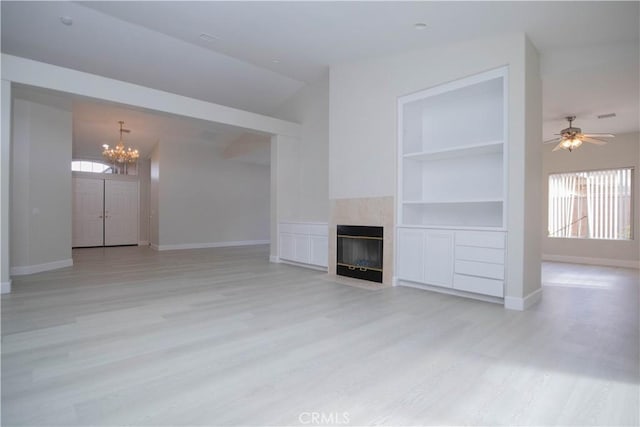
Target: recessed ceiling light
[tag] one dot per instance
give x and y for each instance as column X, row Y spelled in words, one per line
column 275, row 61
column 66, row 20
column 208, row 37
column 420, row 26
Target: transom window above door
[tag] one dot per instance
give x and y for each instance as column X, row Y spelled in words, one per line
column 90, row 166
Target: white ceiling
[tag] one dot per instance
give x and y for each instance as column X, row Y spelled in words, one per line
column 589, row 50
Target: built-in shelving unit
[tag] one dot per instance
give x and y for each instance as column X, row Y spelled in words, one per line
column 451, row 175
column 465, row 150
column 452, row 153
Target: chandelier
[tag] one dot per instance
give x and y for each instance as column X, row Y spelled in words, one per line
column 120, row 154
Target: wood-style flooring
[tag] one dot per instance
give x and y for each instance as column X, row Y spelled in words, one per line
column 221, row 337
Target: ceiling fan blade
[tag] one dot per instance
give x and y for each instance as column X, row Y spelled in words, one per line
column 600, row 135
column 549, row 141
column 595, row 141
column 558, row 147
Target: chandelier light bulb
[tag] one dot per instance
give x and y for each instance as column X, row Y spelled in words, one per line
column 120, row 154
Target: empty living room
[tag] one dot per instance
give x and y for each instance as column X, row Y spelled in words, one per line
column 314, row 213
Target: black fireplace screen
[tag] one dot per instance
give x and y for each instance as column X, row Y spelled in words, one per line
column 360, row 252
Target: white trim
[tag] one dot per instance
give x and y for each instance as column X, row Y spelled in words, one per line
column 450, row 291
column 592, row 261
column 303, row 265
column 154, row 246
column 211, row 245
column 521, row 304
column 38, row 268
column 5, row 287
column 274, row 259
column 143, row 243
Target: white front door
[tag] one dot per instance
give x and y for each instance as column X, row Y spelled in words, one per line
column 120, row 212
column 88, row 196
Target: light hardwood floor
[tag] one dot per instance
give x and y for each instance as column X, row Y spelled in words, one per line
column 129, row 336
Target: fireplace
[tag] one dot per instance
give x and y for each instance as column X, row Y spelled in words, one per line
column 359, row 252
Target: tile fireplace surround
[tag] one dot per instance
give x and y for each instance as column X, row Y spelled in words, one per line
column 374, row 211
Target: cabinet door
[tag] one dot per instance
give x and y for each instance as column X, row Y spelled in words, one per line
column 319, row 250
column 410, row 260
column 303, row 250
column 287, row 246
column 438, row 258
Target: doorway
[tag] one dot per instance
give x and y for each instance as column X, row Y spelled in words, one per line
column 105, row 212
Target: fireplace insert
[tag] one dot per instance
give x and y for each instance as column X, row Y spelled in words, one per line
column 359, row 253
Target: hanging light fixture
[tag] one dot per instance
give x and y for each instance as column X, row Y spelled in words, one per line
column 120, row 154
column 572, row 137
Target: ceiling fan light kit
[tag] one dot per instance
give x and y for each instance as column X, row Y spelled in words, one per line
column 572, row 137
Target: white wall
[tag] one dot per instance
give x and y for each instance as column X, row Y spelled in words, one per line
column 532, row 209
column 154, row 194
column 144, row 177
column 622, row 151
column 41, row 187
column 363, row 96
column 363, row 130
column 205, row 200
column 5, row 189
column 310, row 155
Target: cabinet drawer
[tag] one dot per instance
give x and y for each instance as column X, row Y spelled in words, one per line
column 481, row 269
column 318, row 229
column 478, row 285
column 473, row 253
column 286, row 227
column 482, row 239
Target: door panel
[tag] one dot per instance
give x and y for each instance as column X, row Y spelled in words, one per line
column 303, row 249
column 438, row 264
column 411, row 255
column 319, row 250
column 88, row 195
column 287, row 246
column 121, row 213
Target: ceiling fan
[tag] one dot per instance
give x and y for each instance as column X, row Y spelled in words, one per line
column 572, row 138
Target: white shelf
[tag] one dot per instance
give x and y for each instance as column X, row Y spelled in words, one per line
column 451, row 201
column 463, row 150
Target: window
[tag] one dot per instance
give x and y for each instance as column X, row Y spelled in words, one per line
column 89, row 166
column 591, row 205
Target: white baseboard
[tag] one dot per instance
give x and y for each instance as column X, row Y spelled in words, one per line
column 521, row 304
column 592, row 261
column 274, row 259
column 143, row 243
column 211, row 245
column 449, row 291
column 38, row 268
column 5, row 287
column 300, row 264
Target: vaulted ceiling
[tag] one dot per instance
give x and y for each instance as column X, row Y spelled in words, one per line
column 255, row 55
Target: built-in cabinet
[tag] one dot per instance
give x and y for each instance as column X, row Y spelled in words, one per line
column 304, row 243
column 452, row 185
